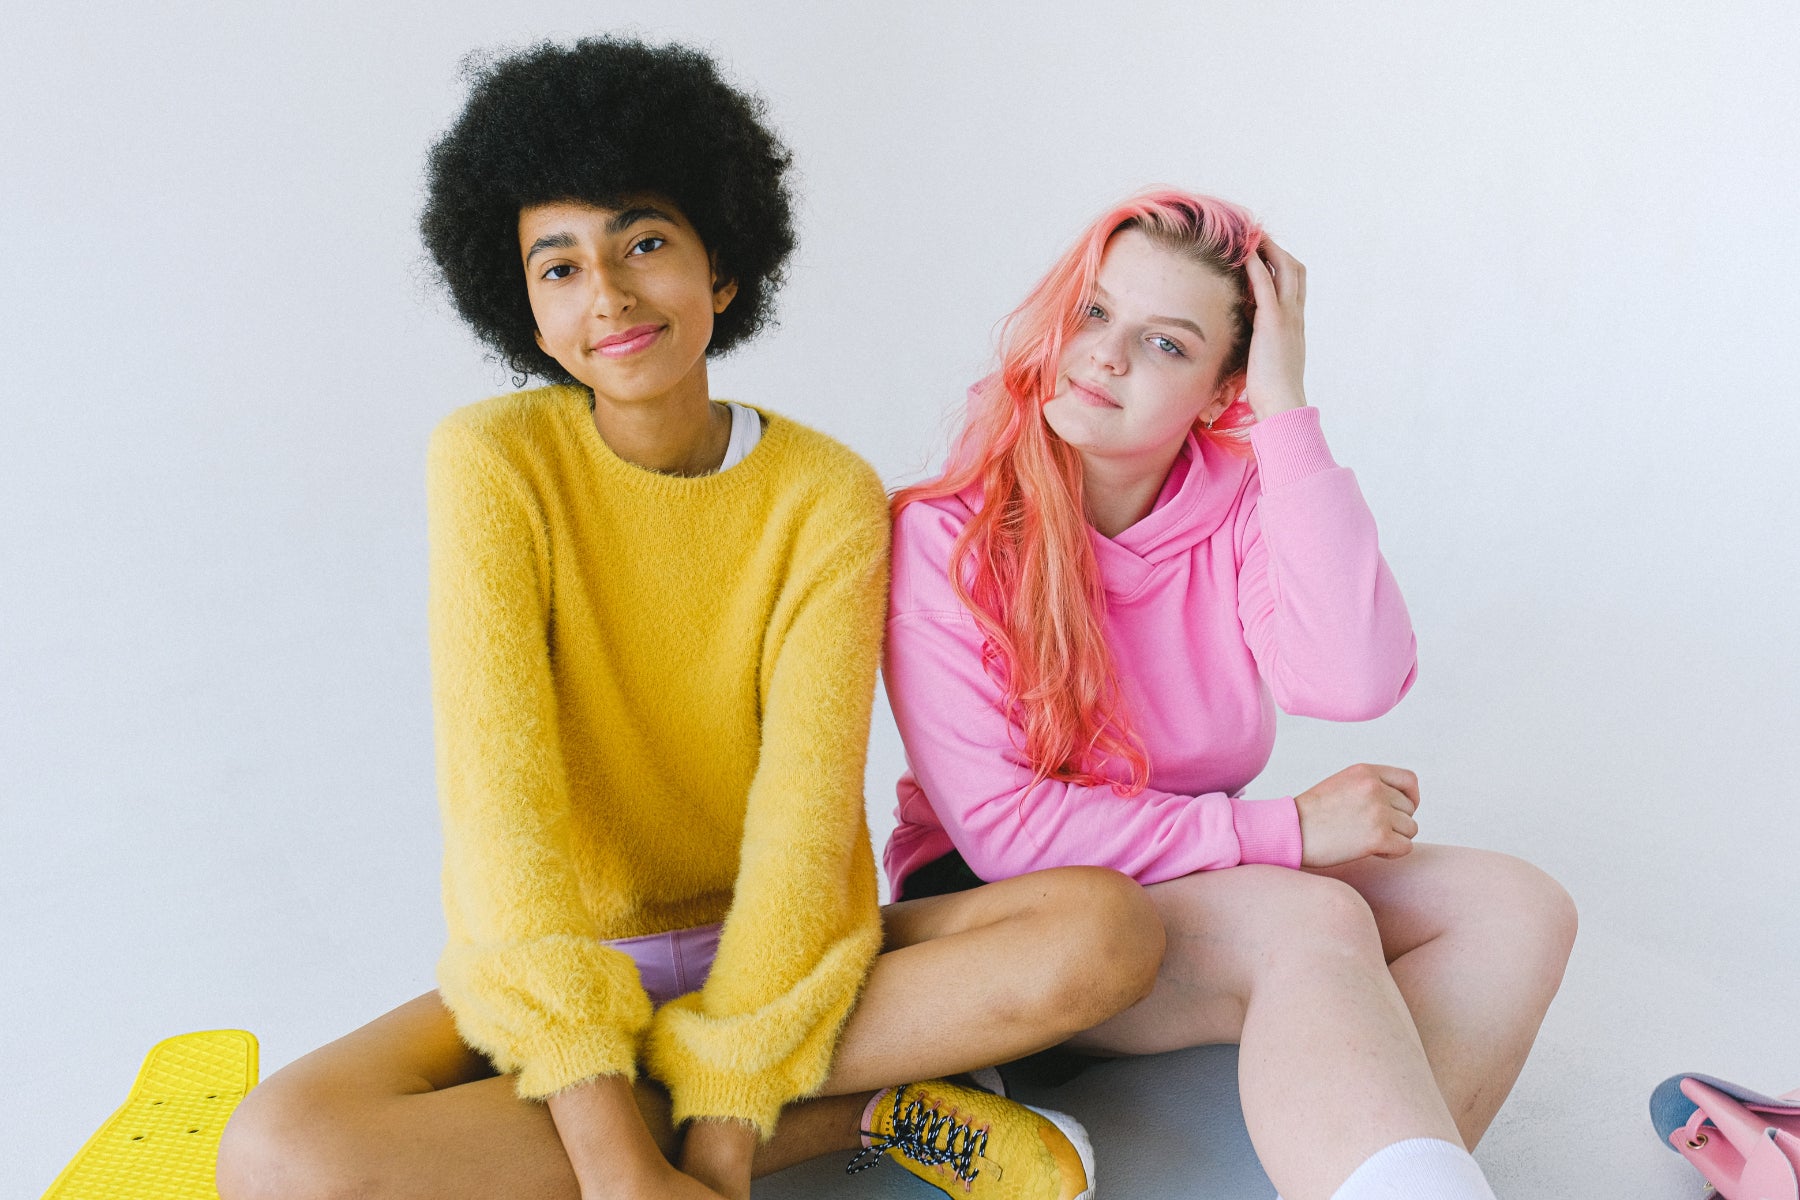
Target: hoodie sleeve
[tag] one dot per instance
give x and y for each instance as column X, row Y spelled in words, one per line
column 1320, row 609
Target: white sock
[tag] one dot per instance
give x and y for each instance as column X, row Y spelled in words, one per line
column 1416, row 1168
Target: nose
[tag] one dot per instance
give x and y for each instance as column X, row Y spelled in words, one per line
column 610, row 298
column 1108, row 352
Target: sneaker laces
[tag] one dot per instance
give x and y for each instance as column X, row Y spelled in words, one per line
column 927, row 1136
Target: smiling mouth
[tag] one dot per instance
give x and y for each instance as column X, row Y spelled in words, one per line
column 1091, row 395
column 631, row 341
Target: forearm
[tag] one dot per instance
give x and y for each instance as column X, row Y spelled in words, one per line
column 604, row 1134
column 1152, row 837
column 719, row 1152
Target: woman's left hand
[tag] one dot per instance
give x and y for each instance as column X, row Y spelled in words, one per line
column 1273, row 375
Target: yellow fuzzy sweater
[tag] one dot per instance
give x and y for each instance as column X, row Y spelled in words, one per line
column 652, row 705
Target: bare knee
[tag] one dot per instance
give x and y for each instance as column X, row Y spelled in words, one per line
column 1109, row 943
column 1538, row 912
column 1313, row 920
column 279, row 1146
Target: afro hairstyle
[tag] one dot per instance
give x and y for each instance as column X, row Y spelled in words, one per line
column 601, row 122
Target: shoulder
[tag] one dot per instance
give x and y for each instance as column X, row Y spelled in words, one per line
column 829, row 499
column 930, row 526
column 499, row 432
column 925, row 533
column 820, row 468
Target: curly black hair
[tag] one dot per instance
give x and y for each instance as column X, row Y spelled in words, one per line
column 600, row 122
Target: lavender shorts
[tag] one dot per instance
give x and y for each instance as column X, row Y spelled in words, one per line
column 674, row 963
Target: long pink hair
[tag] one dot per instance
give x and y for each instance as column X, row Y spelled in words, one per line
column 1023, row 564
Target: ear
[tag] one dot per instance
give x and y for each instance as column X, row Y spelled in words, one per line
column 1229, row 389
column 723, row 293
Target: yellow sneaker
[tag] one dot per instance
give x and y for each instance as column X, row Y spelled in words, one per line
column 975, row 1145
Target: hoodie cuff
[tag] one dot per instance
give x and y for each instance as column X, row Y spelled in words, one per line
column 1268, row 831
column 1289, row 446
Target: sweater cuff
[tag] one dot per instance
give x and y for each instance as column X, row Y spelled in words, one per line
column 556, row 1011
column 748, row 1064
column 1290, row 446
column 1268, row 831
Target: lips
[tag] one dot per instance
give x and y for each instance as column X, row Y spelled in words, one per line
column 629, row 341
column 1092, row 394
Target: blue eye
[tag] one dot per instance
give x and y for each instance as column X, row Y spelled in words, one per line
column 1096, row 312
column 654, row 243
column 563, row 267
column 1166, row 345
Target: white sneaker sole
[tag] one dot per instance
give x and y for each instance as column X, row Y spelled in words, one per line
column 1078, row 1137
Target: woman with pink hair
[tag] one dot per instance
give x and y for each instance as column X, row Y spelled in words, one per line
column 1140, row 546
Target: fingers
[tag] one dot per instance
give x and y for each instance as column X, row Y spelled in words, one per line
column 1262, row 283
column 1404, row 825
column 1287, row 272
column 1395, row 846
column 1402, row 781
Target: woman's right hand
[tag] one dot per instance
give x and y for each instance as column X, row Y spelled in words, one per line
column 1361, row 811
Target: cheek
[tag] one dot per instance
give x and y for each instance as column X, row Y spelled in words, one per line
column 1173, row 393
column 1076, row 349
column 551, row 317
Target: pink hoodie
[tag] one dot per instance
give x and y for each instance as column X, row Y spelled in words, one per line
column 1250, row 584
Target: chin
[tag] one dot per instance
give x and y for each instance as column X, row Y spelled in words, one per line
column 1072, row 425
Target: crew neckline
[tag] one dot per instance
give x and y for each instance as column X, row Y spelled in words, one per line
column 741, row 474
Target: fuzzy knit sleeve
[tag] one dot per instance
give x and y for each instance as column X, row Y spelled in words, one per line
column 804, row 923
column 524, row 975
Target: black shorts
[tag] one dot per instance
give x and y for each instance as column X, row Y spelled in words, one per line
column 939, row 877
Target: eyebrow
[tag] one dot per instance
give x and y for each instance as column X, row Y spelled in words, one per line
column 551, row 241
column 621, row 221
column 1181, row 321
column 1159, row 320
column 618, row 223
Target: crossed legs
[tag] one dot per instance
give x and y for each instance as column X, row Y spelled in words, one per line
column 402, row 1108
column 1380, row 1002
column 1374, row 1003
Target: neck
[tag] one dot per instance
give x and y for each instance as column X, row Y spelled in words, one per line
column 1119, row 492
column 681, row 433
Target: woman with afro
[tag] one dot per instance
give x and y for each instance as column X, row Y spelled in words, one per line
column 655, row 623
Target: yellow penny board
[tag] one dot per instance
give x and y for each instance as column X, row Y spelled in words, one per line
column 163, row 1141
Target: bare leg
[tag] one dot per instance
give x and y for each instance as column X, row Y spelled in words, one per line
column 401, row 1108
column 994, row 974
column 1290, row 966
column 1476, row 942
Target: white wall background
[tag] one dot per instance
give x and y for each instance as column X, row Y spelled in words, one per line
column 1552, row 261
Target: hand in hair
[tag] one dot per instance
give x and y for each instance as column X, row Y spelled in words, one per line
column 1273, row 374
column 1361, row 811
